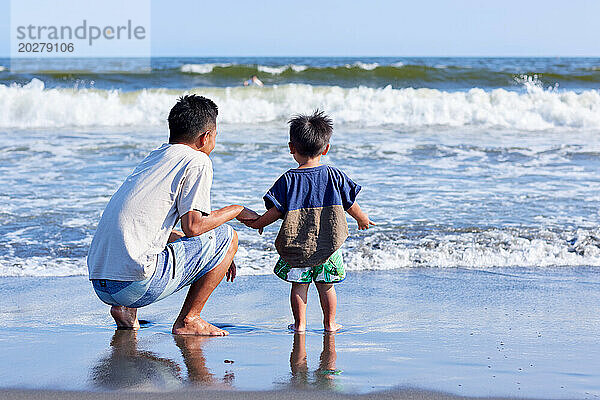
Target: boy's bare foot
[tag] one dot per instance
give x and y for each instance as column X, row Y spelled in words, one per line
column 125, row 317
column 196, row 326
column 299, row 329
column 332, row 328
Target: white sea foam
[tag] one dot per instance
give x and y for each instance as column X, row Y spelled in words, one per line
column 42, row 266
column 484, row 250
column 32, row 105
column 201, row 68
column 298, row 68
column 2, row 68
column 279, row 70
column 272, row 70
column 496, row 248
column 365, row 66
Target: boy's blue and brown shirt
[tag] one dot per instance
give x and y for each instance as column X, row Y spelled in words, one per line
column 313, row 202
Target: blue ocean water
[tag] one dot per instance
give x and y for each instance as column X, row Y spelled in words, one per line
column 464, row 162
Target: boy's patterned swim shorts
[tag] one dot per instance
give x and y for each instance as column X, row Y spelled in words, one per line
column 332, row 271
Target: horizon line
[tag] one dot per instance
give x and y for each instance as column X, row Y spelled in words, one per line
column 337, row 56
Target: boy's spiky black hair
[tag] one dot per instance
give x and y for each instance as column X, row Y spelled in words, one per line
column 310, row 134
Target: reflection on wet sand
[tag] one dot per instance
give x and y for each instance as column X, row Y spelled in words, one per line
column 195, row 362
column 324, row 375
column 127, row 367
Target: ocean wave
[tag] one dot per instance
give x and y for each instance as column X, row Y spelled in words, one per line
column 275, row 69
column 440, row 74
column 34, row 106
column 202, row 68
column 398, row 73
column 279, row 70
column 368, row 66
column 382, row 251
column 2, row 68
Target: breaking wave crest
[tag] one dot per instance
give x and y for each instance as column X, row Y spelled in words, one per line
column 33, row 106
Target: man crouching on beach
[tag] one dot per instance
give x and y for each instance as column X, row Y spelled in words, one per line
column 136, row 259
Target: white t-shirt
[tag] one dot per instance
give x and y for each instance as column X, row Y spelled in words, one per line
column 135, row 226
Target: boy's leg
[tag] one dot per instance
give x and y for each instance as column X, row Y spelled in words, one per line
column 328, row 355
column 298, row 300
column 298, row 361
column 189, row 322
column 328, row 300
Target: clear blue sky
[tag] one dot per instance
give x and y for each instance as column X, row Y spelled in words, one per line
column 368, row 28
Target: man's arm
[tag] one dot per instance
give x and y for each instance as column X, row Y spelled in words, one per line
column 193, row 223
column 360, row 216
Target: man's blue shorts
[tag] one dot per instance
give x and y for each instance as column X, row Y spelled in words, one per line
column 180, row 264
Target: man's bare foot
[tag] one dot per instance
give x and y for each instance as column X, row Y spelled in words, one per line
column 299, row 329
column 125, row 317
column 332, row 328
column 196, row 326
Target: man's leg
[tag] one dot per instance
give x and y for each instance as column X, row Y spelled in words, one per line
column 191, row 349
column 125, row 317
column 189, row 322
column 328, row 299
column 298, row 298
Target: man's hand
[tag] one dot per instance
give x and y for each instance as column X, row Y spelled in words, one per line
column 231, row 272
column 175, row 235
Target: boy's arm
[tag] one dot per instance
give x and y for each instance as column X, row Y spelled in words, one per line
column 272, row 215
column 360, row 216
column 193, row 223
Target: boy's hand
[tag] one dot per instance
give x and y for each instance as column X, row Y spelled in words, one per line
column 231, row 272
column 364, row 224
column 254, row 225
column 247, row 216
column 360, row 216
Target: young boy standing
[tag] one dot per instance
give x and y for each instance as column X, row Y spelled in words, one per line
column 312, row 200
column 136, row 258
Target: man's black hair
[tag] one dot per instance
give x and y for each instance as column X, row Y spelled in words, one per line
column 310, row 134
column 191, row 117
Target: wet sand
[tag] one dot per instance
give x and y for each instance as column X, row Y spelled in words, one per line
column 510, row 332
column 405, row 394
